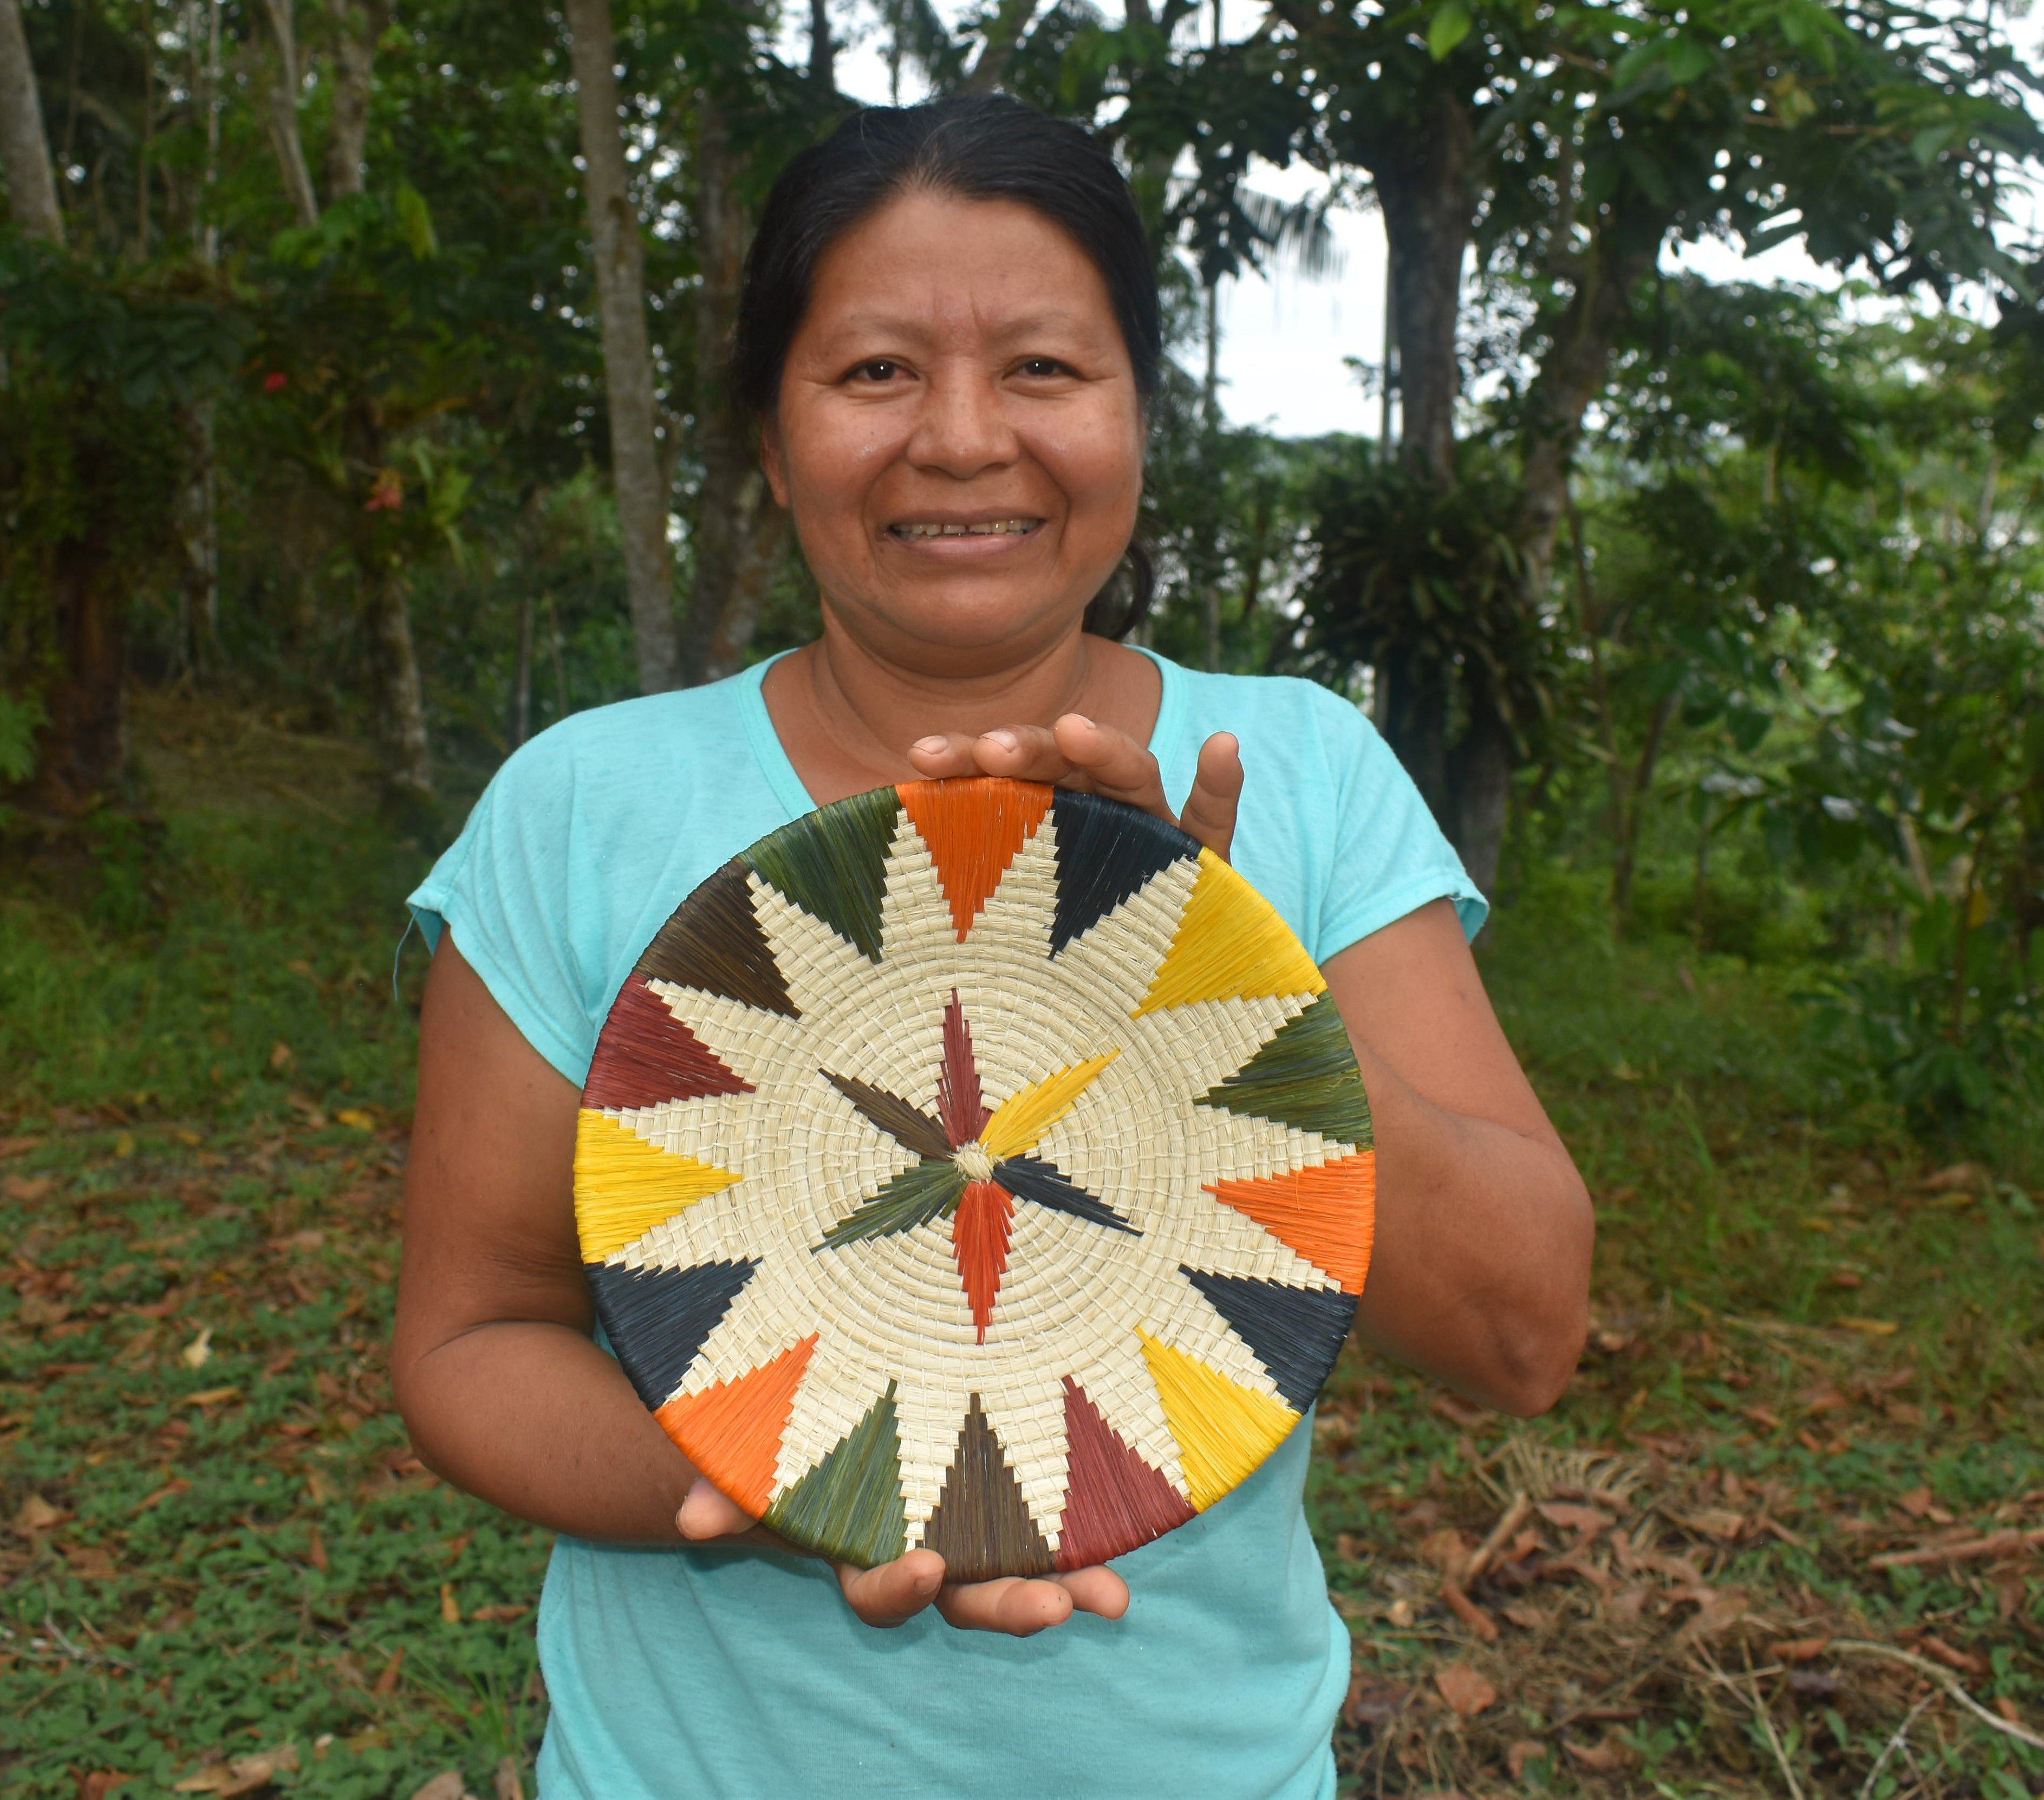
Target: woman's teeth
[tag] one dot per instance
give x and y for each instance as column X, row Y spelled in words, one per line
column 992, row 528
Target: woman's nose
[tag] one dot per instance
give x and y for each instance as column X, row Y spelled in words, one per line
column 963, row 428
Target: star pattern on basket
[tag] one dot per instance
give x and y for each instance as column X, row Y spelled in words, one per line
column 1070, row 1293
column 973, row 1163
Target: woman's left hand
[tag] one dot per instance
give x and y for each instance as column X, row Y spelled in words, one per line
column 1095, row 759
column 895, row 1592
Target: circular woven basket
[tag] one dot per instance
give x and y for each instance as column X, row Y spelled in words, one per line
column 975, row 1165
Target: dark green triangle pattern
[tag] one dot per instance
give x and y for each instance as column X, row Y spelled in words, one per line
column 849, row 1506
column 1304, row 1077
column 921, row 1192
column 833, row 864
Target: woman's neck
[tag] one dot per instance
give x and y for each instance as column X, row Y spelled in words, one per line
column 846, row 715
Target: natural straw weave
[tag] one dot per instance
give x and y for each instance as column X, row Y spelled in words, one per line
column 978, row 1166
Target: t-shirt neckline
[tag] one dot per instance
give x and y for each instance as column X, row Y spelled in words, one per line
column 796, row 800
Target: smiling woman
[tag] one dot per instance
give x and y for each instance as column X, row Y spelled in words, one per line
column 950, row 334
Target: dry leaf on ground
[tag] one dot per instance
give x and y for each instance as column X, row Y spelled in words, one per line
column 243, row 1775
column 446, row 1785
column 1465, row 1689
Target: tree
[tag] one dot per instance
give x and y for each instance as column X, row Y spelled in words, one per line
column 637, row 471
column 1568, row 147
column 25, row 150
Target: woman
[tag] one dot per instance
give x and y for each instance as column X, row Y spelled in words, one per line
column 950, row 335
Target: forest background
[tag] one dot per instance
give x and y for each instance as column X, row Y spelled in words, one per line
column 361, row 412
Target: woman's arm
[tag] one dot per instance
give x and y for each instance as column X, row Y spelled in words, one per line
column 492, row 1365
column 1479, row 1274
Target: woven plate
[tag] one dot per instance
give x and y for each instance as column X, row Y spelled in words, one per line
column 975, row 1165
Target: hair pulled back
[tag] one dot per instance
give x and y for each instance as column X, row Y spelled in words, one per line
column 977, row 147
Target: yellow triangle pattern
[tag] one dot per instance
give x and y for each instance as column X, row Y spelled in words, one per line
column 1019, row 1120
column 1230, row 945
column 624, row 1186
column 1223, row 1430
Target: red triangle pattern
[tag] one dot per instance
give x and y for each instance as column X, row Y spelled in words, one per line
column 1114, row 1500
column 646, row 1056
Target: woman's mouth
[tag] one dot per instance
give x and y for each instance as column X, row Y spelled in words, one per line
column 916, row 529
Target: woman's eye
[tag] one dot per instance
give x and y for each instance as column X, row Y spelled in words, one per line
column 1040, row 367
column 880, row 369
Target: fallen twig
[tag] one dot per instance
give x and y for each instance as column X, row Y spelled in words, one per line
column 1894, row 1743
column 1971, row 1549
column 1480, row 1559
column 1946, row 1680
column 1767, row 1724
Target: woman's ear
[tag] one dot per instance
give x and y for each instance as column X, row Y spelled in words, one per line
column 771, row 464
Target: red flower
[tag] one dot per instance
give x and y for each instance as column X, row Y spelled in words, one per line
column 276, row 382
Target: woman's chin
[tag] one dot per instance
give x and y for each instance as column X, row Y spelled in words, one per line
column 950, row 633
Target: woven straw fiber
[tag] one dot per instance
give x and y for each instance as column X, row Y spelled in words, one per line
column 978, row 1166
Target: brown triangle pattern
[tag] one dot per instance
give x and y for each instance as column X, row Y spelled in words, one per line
column 715, row 945
column 982, row 1526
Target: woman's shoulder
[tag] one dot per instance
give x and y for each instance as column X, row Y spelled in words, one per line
column 649, row 737
column 1286, row 715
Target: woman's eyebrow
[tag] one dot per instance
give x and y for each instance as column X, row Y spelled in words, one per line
column 918, row 326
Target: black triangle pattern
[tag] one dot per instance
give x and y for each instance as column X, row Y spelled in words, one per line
column 1296, row 1333
column 658, row 1320
column 1106, row 851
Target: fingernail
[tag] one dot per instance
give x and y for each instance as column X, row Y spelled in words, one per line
column 1004, row 738
column 929, row 746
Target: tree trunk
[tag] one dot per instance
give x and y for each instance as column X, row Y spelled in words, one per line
column 1480, row 780
column 24, row 149
column 1571, row 377
column 281, row 111
column 635, row 469
column 83, row 746
column 358, row 25
column 197, row 529
column 741, row 535
column 407, row 767
column 1004, row 36
column 1414, row 719
column 1625, row 862
column 823, row 48
column 1422, row 183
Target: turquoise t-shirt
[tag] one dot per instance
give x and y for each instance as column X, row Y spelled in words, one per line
column 692, row 1674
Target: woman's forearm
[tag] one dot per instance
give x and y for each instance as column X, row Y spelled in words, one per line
column 534, row 1418
column 1483, row 1240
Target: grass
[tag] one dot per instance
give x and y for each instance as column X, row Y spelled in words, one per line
column 1806, row 1359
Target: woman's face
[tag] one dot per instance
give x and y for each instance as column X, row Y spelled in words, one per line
column 958, row 436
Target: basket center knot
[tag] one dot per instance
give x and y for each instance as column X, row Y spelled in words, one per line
column 973, row 1161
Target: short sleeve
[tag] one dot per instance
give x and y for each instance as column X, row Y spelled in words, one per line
column 1387, row 857
column 505, row 888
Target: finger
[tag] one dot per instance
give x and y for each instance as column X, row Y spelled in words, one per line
column 710, row 1513
column 1112, row 762
column 885, row 1596
column 1018, row 1607
column 1098, row 1590
column 1020, row 752
column 1210, row 808
column 943, row 755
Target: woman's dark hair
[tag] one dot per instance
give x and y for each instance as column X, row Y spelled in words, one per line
column 984, row 147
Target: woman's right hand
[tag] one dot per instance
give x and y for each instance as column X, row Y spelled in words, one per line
column 895, row 1592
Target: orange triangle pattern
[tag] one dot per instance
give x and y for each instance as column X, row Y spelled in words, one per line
column 974, row 828
column 732, row 1430
column 1327, row 1213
